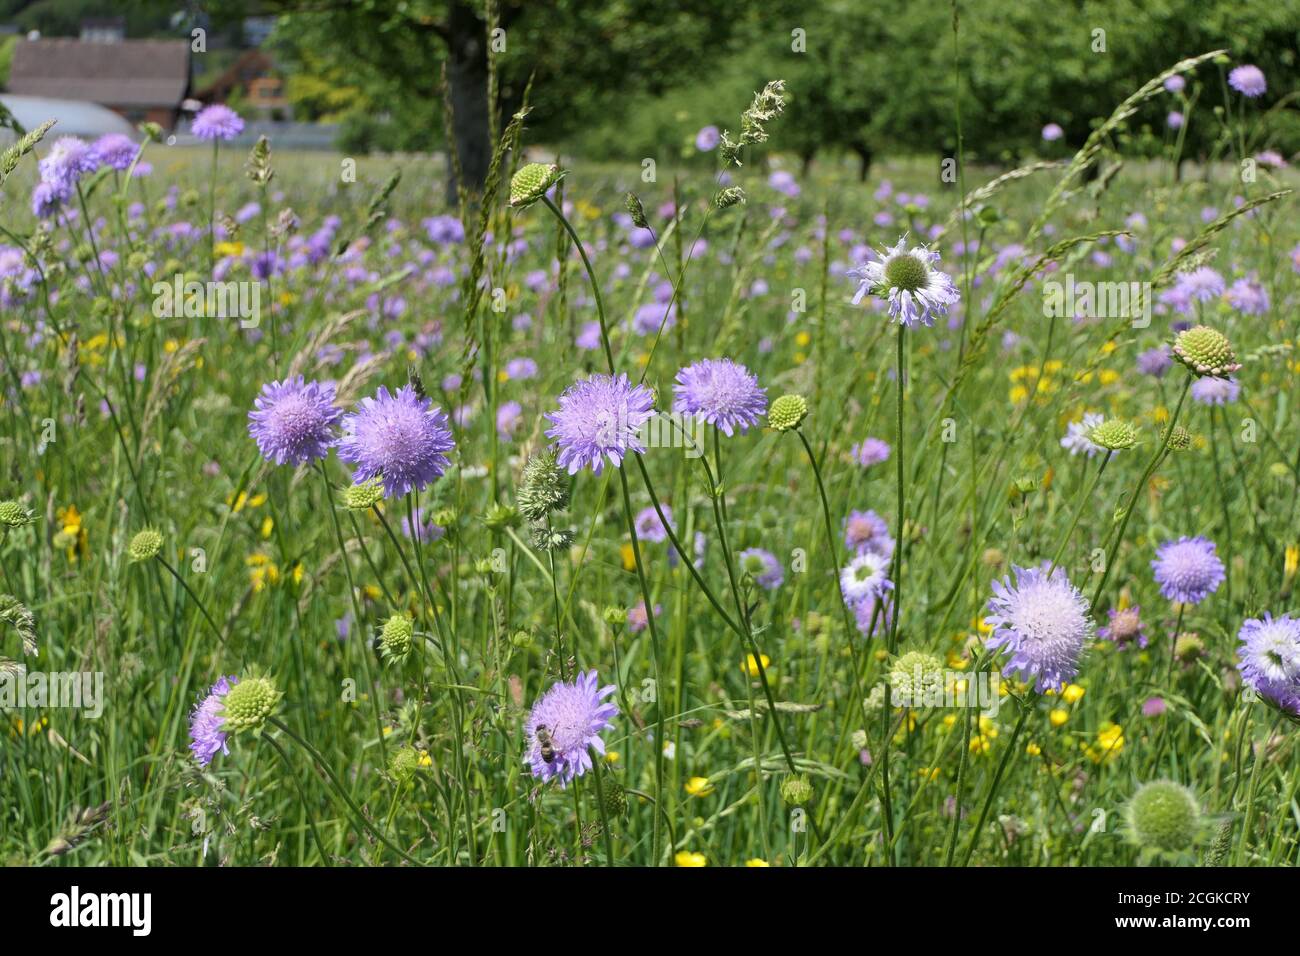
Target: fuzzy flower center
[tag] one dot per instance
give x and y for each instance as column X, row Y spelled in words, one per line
column 906, row 272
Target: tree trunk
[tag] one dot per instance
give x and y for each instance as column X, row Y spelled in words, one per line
column 467, row 77
column 865, row 155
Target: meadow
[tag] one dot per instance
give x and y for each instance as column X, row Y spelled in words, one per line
column 379, row 622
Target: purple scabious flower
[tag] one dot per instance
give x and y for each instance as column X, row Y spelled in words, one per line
column 293, row 421
column 763, row 567
column 1270, row 659
column 46, row 199
column 1202, row 284
column 509, row 417
column 115, row 150
column 572, row 717
column 707, row 139
column 67, row 161
column 1076, row 440
column 444, row 230
column 1125, row 628
column 1248, row 80
column 401, row 438
column 1188, row 570
column 916, row 291
column 637, row 620
column 865, row 610
column 1248, row 297
column 725, row 394
column 207, row 737
column 598, row 419
column 217, row 121
column 1215, row 391
column 1155, row 362
column 867, row 531
column 1052, row 132
column 1175, row 83
column 870, row 451
column 865, row 576
column 649, row 526
column 1042, row 620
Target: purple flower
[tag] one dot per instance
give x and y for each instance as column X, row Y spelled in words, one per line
column 649, row 527
column 293, row 421
column 707, row 139
column 46, row 199
column 1125, row 628
column 444, row 230
column 509, row 415
column 1174, row 120
column 1175, row 83
column 1155, row 362
column 401, row 438
column 867, row 531
column 1248, row 80
column 722, row 392
column 1188, row 570
column 1052, row 132
column 217, row 121
column 763, row 567
column 870, row 451
column 1043, row 622
column 1270, row 659
column 865, row 576
column 1076, row 438
column 1215, row 391
column 67, row 161
column 916, row 291
column 1153, row 707
column 637, row 621
column 1248, row 297
column 206, row 734
column 865, row 610
column 571, row 717
column 598, row 419
column 115, row 150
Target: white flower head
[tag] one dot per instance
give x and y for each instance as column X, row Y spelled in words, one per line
column 908, row 279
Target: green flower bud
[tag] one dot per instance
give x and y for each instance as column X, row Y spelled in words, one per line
column 615, row 801
column 396, row 637
column 1189, row 648
column 787, row 412
column 796, row 790
column 1180, row 439
column 531, row 183
column 249, row 703
column 613, row 615
column 145, row 545
column 521, row 639
column 14, row 515
column 543, row 488
column 1164, row 816
column 1206, row 351
column 364, row 496
column 1114, row 434
column 403, row 764
column 499, row 517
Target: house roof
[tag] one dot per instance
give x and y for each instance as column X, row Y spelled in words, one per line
column 129, row 73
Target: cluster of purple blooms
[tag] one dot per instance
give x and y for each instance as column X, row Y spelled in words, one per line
column 400, row 438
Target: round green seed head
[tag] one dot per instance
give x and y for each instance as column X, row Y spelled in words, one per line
column 787, row 412
column 1189, row 647
column 914, row 673
column 249, row 703
column 1164, row 816
column 1205, row 351
column 364, row 496
column 796, row 790
column 403, row 764
column 906, row 272
column 1180, row 439
column 531, row 182
column 396, row 636
column 1114, row 434
column 145, row 545
column 14, row 515
column 615, row 797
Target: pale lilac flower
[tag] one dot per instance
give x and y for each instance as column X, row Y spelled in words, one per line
column 1215, row 391
column 1076, row 440
column 598, row 420
column 1052, row 132
column 207, row 736
column 1248, row 297
column 217, row 121
column 725, row 394
column 1124, row 628
column 649, row 526
column 573, row 717
column 867, row 575
column 1155, row 361
column 1042, row 620
column 763, row 567
column 1248, row 80
column 293, row 421
column 1175, row 83
column 870, row 451
column 399, row 438
column 1270, row 659
column 637, row 621
column 1188, row 570
column 867, row 531
column 707, row 139
column 916, row 291
column 115, row 150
